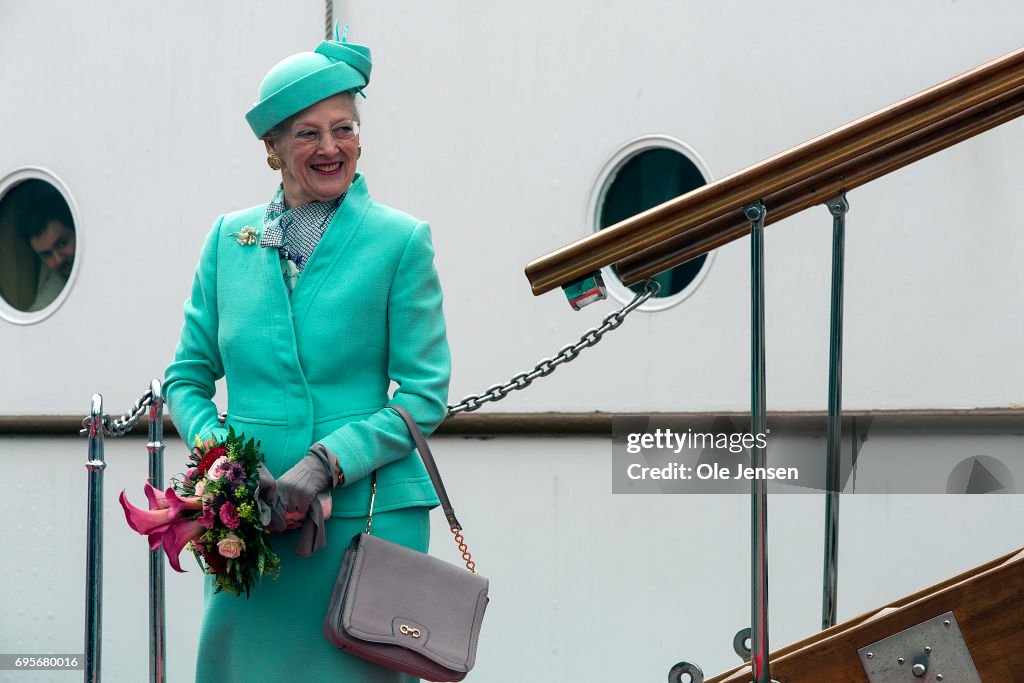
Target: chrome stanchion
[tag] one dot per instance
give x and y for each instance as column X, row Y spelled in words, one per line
column 157, row 611
column 838, row 207
column 94, row 544
column 755, row 213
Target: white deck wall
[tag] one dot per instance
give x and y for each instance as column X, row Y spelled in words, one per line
column 586, row 585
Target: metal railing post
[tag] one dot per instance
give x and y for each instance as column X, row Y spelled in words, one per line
column 838, row 207
column 94, row 544
column 157, row 610
column 755, row 213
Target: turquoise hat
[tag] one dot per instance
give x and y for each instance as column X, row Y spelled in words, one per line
column 306, row 78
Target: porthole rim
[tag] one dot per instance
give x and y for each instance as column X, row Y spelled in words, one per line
column 599, row 190
column 9, row 181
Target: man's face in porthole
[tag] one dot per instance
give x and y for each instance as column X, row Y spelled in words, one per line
column 55, row 247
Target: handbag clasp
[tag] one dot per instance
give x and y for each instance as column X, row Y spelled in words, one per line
column 405, row 629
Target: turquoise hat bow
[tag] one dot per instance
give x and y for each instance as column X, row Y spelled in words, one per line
column 308, row 77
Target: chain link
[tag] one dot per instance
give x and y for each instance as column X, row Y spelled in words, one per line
column 566, row 355
column 467, row 557
column 123, row 424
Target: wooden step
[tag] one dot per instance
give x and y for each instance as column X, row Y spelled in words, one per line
column 987, row 601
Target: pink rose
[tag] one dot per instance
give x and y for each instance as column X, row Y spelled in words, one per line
column 218, row 468
column 229, row 515
column 230, row 546
column 191, row 474
column 200, row 487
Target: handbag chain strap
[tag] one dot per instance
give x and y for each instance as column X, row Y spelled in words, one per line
column 373, row 497
column 435, row 478
column 466, row 556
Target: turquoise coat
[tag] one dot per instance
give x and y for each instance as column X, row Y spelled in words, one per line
column 318, row 366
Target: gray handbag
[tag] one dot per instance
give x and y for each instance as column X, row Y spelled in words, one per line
column 404, row 609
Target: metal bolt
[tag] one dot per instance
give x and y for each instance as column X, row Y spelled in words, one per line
column 919, row 670
column 900, row 660
column 871, row 655
column 938, row 677
column 754, row 212
column 928, row 648
column 946, row 623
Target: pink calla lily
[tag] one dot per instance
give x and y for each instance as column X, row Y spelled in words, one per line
column 144, row 521
column 176, row 536
column 176, row 504
column 157, row 498
column 156, row 539
column 162, row 523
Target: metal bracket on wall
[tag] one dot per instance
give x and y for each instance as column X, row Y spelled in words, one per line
column 692, row 673
column 934, row 650
column 741, row 644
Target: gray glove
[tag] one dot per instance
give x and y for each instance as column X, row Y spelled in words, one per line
column 312, row 535
column 266, row 501
column 297, row 487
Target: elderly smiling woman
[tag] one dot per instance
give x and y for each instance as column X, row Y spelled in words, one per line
column 311, row 307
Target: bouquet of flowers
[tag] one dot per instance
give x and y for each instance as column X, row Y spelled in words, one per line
column 215, row 507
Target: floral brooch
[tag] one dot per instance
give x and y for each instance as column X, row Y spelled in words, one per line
column 246, row 236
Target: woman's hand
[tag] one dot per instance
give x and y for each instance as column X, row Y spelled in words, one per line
column 293, row 520
column 324, row 500
column 298, row 487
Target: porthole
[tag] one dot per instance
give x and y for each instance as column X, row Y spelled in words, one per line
column 40, row 245
column 641, row 174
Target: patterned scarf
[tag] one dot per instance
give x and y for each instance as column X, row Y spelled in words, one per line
column 296, row 232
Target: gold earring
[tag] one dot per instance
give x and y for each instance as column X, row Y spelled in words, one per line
column 274, row 162
column 359, row 151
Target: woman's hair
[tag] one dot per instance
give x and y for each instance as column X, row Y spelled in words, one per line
column 280, row 129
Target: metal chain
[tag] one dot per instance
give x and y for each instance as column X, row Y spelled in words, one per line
column 467, row 557
column 567, row 354
column 123, row 424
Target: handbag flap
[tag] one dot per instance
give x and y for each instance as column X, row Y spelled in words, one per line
column 399, row 596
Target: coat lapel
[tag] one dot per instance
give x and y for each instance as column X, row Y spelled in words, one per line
column 328, row 254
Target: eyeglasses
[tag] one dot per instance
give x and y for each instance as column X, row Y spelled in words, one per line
column 346, row 131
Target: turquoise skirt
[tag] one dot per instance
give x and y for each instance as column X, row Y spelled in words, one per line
column 276, row 634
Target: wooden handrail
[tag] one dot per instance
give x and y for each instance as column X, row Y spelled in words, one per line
column 808, row 174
